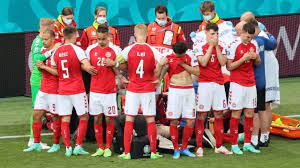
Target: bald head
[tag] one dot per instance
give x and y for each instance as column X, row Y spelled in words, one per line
column 239, row 27
column 247, row 16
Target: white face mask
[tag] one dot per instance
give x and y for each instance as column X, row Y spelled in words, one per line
column 101, row 20
column 161, row 22
column 207, row 18
column 67, row 21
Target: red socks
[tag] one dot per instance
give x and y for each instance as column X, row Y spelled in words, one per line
column 110, row 129
column 98, row 129
column 199, row 132
column 152, row 136
column 37, row 128
column 234, row 125
column 248, row 126
column 128, row 136
column 65, row 132
column 174, row 136
column 218, row 129
column 187, row 134
column 81, row 131
column 56, row 131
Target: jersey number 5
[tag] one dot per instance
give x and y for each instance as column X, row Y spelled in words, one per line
column 140, row 69
column 65, row 69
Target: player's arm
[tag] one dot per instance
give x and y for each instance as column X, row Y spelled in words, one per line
column 221, row 56
column 190, row 69
column 233, row 65
column 84, row 40
column 159, row 68
column 271, row 43
column 203, row 60
column 42, row 66
column 86, row 66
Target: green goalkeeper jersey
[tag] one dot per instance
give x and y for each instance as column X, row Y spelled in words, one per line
column 36, row 74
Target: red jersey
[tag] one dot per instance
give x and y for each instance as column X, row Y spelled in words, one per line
column 173, row 62
column 244, row 74
column 141, row 61
column 212, row 72
column 49, row 82
column 67, row 58
column 105, row 80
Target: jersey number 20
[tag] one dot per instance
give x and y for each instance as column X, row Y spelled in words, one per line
column 140, row 69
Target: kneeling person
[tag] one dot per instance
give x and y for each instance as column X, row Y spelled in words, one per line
column 181, row 99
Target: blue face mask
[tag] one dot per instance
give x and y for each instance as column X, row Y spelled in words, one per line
column 161, row 22
column 101, row 20
column 67, row 21
column 207, row 18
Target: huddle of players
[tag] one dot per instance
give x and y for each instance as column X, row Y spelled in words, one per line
column 62, row 88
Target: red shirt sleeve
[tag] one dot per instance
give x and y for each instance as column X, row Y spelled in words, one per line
column 84, row 40
column 181, row 36
column 117, row 39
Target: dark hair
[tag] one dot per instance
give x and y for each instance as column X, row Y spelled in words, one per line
column 67, row 11
column 249, row 28
column 69, row 31
column 212, row 26
column 207, row 6
column 50, row 32
column 102, row 29
column 254, row 22
column 100, row 8
column 179, row 48
column 161, row 9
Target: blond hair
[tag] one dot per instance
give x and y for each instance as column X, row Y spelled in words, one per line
column 247, row 16
column 46, row 23
column 140, row 30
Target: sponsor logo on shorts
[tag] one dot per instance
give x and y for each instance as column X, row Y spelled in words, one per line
column 234, row 105
column 170, row 113
column 201, row 106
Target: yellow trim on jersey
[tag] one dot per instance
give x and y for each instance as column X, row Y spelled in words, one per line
column 179, row 29
column 121, row 59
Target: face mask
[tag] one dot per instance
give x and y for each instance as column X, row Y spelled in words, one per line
column 161, row 22
column 207, row 18
column 101, row 20
column 67, row 21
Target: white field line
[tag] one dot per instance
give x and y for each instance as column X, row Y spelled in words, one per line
column 291, row 116
column 22, row 136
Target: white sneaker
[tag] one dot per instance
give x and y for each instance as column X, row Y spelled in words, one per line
column 223, row 150
column 30, row 142
column 45, row 146
column 199, row 152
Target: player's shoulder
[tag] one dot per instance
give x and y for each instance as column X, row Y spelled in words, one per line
column 76, row 48
column 116, row 49
column 91, row 47
column 254, row 42
column 190, row 53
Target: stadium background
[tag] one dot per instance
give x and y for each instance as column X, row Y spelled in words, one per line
column 19, row 25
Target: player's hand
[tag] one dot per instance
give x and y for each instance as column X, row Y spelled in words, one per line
column 253, row 55
column 92, row 70
column 181, row 63
column 109, row 62
column 123, row 80
column 40, row 64
column 216, row 41
column 247, row 56
column 163, row 61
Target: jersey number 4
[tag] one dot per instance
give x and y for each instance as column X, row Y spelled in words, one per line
column 65, row 69
column 140, row 69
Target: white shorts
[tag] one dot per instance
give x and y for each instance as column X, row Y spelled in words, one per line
column 211, row 95
column 181, row 102
column 65, row 104
column 241, row 97
column 146, row 100
column 46, row 101
column 103, row 103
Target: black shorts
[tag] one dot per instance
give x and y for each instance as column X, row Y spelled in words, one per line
column 261, row 100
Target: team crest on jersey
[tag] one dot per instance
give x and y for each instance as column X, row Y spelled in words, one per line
column 108, row 54
column 153, row 29
column 96, row 54
column 171, row 60
column 93, row 33
column 242, row 52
